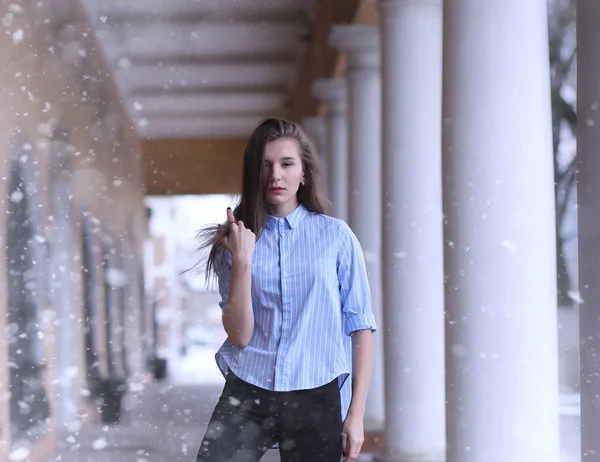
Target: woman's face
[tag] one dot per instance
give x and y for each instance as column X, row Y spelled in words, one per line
column 283, row 174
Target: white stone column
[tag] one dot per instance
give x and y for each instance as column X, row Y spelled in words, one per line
column 333, row 92
column 316, row 128
column 132, row 308
column 413, row 288
column 588, row 198
column 64, row 292
column 362, row 44
column 501, row 332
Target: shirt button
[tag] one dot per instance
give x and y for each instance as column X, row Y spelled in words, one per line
column 283, row 234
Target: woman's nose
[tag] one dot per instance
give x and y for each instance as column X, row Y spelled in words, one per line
column 275, row 173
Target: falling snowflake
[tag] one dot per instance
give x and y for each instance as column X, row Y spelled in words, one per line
column 116, row 278
column 8, row 20
column 18, row 36
column 21, row 453
column 99, row 444
column 17, row 196
column 509, row 245
column 575, row 296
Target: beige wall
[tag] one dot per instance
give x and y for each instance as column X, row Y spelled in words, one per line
column 52, row 73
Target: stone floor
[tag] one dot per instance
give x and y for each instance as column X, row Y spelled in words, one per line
column 165, row 423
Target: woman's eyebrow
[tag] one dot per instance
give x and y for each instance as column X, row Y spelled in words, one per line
column 283, row 159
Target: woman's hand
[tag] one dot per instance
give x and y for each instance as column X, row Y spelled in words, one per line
column 353, row 436
column 240, row 241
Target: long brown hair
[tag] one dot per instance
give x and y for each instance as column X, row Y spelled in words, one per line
column 252, row 208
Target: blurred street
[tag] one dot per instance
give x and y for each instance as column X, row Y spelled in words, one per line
column 165, row 422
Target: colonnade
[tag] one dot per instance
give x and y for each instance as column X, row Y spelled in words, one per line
column 439, row 155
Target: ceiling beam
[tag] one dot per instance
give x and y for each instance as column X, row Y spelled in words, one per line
column 198, row 58
column 209, row 103
column 319, row 59
column 147, row 78
column 183, row 89
column 201, row 51
column 208, row 40
column 202, row 127
column 175, row 18
column 231, row 8
column 193, row 166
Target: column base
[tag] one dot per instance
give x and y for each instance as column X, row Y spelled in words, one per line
column 366, row 458
column 399, row 457
column 373, row 443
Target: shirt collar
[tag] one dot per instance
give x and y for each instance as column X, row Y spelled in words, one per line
column 292, row 219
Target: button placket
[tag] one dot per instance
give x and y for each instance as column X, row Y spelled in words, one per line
column 282, row 350
column 281, row 381
column 281, row 227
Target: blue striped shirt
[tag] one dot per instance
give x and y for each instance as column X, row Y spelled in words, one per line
column 309, row 293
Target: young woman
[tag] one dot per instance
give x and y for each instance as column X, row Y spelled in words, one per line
column 297, row 312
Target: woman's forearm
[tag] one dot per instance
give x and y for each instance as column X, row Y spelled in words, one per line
column 238, row 317
column 362, row 368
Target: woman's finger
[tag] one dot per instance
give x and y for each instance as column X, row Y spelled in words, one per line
column 357, row 447
column 232, row 228
column 230, row 217
column 226, row 243
column 353, row 450
column 344, row 444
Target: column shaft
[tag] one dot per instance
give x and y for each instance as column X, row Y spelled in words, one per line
column 316, row 128
column 412, row 231
column 338, row 152
column 334, row 93
column 501, row 332
column 362, row 43
column 588, row 198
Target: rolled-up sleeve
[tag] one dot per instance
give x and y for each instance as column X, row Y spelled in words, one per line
column 355, row 293
column 222, row 267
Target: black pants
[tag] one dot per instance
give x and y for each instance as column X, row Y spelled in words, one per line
column 249, row 420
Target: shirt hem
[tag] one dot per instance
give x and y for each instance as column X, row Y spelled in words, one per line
column 224, row 365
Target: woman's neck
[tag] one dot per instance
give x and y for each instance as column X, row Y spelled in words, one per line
column 282, row 210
